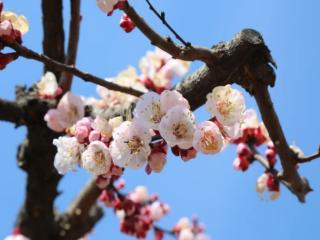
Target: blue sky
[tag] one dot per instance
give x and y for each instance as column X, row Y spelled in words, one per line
column 208, row 187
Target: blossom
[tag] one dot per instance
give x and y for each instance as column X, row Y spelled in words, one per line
column 158, row 68
column 126, row 78
column 177, row 127
column 139, row 195
column 96, row 158
column 69, row 110
column 48, row 86
column 82, row 129
column 16, row 237
column 126, row 23
column 6, row 28
column 208, row 138
column 226, row 104
column 68, row 154
column 103, row 126
column 186, row 234
column 108, row 6
column 130, row 146
column 157, row 161
column 158, row 210
column 19, row 23
column 151, row 107
column 268, row 187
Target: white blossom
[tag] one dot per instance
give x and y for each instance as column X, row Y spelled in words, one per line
column 186, row 234
column 130, row 146
column 226, row 104
column 96, row 158
column 48, row 85
column 177, row 127
column 151, row 107
column 262, row 188
column 68, row 154
column 208, row 138
column 139, row 195
column 19, row 23
column 106, row 5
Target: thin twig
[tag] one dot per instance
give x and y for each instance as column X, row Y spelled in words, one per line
column 74, row 31
column 310, row 158
column 162, row 17
column 28, row 53
column 188, row 54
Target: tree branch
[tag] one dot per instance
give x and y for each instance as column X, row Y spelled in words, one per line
column 162, row 17
column 27, row 53
column 82, row 214
column 11, row 112
column 53, row 33
column 166, row 44
column 310, row 158
column 74, row 31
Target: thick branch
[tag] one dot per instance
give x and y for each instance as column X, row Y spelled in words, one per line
column 74, row 32
column 53, row 34
column 11, row 112
column 82, row 214
column 27, row 53
column 166, row 44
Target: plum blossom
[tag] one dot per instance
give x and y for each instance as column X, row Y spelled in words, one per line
column 186, row 234
column 16, row 237
column 19, row 23
column 68, row 154
column 226, row 104
column 151, row 107
column 208, row 138
column 177, row 127
column 103, row 126
column 5, row 28
column 69, row 110
column 126, row 78
column 48, row 86
column 96, row 158
column 158, row 69
column 158, row 210
column 139, row 195
column 130, row 146
column 268, row 187
column 126, row 23
column 108, row 6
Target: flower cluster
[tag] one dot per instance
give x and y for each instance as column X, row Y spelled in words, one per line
column 139, row 212
column 189, row 230
column 158, row 69
column 12, row 27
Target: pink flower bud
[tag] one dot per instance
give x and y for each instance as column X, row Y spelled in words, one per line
column 271, row 156
column 241, row 163
column 157, row 161
column 243, row 150
column 126, row 23
column 94, row 136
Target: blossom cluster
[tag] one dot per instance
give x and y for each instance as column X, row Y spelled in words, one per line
column 12, row 27
column 139, row 213
column 158, row 69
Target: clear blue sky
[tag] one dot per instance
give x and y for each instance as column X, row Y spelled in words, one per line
column 224, row 200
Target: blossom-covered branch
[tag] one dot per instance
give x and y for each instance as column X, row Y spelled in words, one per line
column 11, row 111
column 74, row 32
column 183, row 53
column 28, row 53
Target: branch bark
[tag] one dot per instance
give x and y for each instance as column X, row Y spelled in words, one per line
column 27, row 53
column 74, row 32
column 53, row 33
column 11, row 111
column 82, row 214
column 166, row 44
